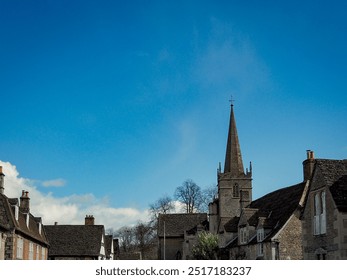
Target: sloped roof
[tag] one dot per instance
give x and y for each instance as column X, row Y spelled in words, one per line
column 332, row 170
column 75, row 240
column 7, row 220
column 280, row 205
column 177, row 224
column 232, row 224
column 339, row 193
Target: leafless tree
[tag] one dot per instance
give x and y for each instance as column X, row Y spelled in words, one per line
column 145, row 238
column 126, row 236
column 208, row 195
column 190, row 195
column 163, row 205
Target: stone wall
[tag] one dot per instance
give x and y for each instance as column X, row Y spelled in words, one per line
column 289, row 238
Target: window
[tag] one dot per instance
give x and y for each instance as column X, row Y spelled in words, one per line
column 43, row 253
column 260, row 238
column 243, row 235
column 260, row 249
column 319, row 218
column 37, row 252
column 19, row 248
column 260, row 234
column 236, row 190
column 31, row 251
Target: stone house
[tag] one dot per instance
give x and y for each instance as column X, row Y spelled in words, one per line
column 269, row 228
column 177, row 234
column 80, row 242
column 22, row 235
column 325, row 214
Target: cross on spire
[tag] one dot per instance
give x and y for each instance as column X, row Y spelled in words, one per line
column 231, row 100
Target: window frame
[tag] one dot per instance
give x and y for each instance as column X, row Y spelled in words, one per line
column 319, row 213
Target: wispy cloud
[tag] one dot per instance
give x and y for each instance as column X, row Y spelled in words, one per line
column 69, row 209
column 54, row 183
column 229, row 61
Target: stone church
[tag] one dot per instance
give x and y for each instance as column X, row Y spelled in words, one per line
column 305, row 221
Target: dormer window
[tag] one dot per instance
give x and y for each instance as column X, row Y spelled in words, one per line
column 260, row 234
column 27, row 220
column 243, row 235
column 319, row 215
column 260, row 238
column 16, row 212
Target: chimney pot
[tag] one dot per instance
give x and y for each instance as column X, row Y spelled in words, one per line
column 25, row 202
column 308, row 165
column 89, row 220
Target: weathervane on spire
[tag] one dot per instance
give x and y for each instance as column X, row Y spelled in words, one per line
column 231, row 100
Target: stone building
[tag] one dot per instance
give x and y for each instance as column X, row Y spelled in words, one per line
column 177, row 234
column 233, row 182
column 325, row 214
column 22, row 235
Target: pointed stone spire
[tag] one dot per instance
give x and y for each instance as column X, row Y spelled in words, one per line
column 233, row 159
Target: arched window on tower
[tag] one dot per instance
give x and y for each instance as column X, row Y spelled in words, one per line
column 236, row 190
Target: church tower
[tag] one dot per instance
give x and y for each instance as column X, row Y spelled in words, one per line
column 234, row 184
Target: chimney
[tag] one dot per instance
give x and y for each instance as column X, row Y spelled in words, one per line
column 89, row 220
column 24, row 205
column 308, row 165
column 2, row 175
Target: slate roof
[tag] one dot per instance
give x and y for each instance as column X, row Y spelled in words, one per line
column 275, row 207
column 339, row 193
column 278, row 205
column 232, row 224
column 332, row 170
column 177, row 224
column 74, row 240
column 8, row 221
column 334, row 174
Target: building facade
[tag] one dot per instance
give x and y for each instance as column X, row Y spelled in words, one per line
column 22, row 235
column 325, row 214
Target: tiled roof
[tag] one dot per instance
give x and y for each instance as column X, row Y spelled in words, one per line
column 177, row 224
column 74, row 240
column 232, row 224
column 7, row 220
column 339, row 192
column 279, row 205
column 332, row 170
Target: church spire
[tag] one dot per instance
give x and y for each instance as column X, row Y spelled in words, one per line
column 233, row 159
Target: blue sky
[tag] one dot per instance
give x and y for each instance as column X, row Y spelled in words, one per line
column 124, row 100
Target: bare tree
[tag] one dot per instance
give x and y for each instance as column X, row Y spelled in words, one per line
column 145, row 238
column 163, row 205
column 190, row 195
column 126, row 236
column 208, row 196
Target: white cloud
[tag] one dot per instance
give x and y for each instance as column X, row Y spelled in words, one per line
column 54, row 183
column 69, row 209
